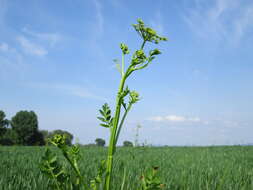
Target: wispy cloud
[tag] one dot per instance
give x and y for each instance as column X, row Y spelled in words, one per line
column 30, row 47
column 51, row 38
column 97, row 28
column 71, row 89
column 99, row 17
column 220, row 20
column 244, row 22
column 38, row 43
column 12, row 63
column 174, row 118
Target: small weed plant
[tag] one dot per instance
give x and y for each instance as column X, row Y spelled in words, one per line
column 63, row 178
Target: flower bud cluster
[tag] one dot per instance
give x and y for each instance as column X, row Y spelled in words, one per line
column 59, row 140
column 134, row 97
column 139, row 57
column 124, row 48
column 147, row 34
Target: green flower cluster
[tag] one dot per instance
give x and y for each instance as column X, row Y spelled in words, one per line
column 147, row 34
column 59, row 140
column 124, row 48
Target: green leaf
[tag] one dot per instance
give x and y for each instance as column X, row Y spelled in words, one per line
column 106, row 115
column 101, row 119
column 108, row 112
column 108, row 118
column 154, row 52
column 102, row 112
column 104, row 125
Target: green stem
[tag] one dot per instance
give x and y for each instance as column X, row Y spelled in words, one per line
column 122, row 121
column 143, row 44
column 113, row 135
column 123, row 65
column 73, row 165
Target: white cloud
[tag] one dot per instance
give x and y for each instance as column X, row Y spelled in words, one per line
column 220, row 20
column 51, row 38
column 30, row 47
column 156, row 118
column 4, row 47
column 174, row 118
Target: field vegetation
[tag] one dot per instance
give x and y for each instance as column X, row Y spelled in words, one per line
column 186, row 168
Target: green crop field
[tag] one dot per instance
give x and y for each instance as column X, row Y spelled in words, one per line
column 179, row 167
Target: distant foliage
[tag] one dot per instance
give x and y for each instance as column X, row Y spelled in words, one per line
column 25, row 124
column 3, row 123
column 128, row 144
column 9, row 138
column 100, row 142
column 23, row 129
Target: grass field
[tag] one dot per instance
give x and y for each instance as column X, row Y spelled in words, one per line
column 195, row 168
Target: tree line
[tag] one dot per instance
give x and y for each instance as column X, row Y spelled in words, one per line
column 23, row 129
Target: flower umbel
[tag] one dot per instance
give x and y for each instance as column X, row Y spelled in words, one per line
column 147, row 34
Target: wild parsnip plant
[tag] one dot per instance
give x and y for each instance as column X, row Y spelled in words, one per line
column 139, row 61
column 50, row 166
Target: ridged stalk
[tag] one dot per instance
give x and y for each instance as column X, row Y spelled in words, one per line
column 113, row 135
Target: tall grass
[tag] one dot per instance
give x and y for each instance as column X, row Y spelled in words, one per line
column 186, row 168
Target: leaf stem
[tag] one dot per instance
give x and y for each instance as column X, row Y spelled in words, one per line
column 143, row 44
column 122, row 121
column 73, row 165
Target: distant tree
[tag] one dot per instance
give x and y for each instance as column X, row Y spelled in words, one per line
column 9, row 138
column 128, row 144
column 25, row 124
column 3, row 123
column 69, row 136
column 37, row 139
column 100, row 142
column 45, row 134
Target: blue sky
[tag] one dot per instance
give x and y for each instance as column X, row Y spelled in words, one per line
column 56, row 59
